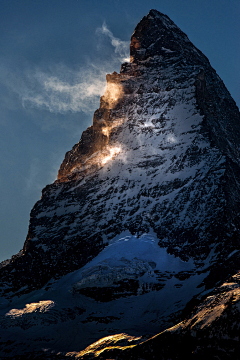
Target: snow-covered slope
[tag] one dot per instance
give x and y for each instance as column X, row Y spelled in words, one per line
column 145, row 212
column 132, row 285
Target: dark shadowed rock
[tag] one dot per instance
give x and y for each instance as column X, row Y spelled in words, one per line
column 143, row 219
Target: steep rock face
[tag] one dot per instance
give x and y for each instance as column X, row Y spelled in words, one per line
column 163, row 153
column 145, row 212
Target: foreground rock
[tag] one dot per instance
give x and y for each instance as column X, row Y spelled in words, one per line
column 211, row 331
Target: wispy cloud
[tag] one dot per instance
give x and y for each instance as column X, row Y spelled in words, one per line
column 121, row 47
column 60, row 89
column 32, row 176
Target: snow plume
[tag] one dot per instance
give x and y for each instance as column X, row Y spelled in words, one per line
column 62, row 89
column 121, row 47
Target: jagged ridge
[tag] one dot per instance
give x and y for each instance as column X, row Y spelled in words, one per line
column 162, row 156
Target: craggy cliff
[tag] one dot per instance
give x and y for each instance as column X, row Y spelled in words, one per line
column 140, row 231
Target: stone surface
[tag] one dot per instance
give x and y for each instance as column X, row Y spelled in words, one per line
column 144, row 216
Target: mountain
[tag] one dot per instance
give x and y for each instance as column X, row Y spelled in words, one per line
column 139, row 235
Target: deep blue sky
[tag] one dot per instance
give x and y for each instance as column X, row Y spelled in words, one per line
column 54, row 55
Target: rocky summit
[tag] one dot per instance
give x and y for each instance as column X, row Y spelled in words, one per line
column 139, row 235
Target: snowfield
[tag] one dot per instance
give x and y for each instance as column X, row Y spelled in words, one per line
column 62, row 313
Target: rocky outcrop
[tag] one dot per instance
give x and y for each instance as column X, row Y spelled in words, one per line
column 211, row 331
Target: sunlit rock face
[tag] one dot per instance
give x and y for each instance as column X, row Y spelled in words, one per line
column 96, row 138
column 146, row 204
column 162, row 153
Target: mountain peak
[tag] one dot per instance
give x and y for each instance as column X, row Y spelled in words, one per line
column 144, row 217
column 158, row 16
column 157, row 34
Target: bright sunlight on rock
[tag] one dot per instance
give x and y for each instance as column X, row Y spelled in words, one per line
column 133, row 252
